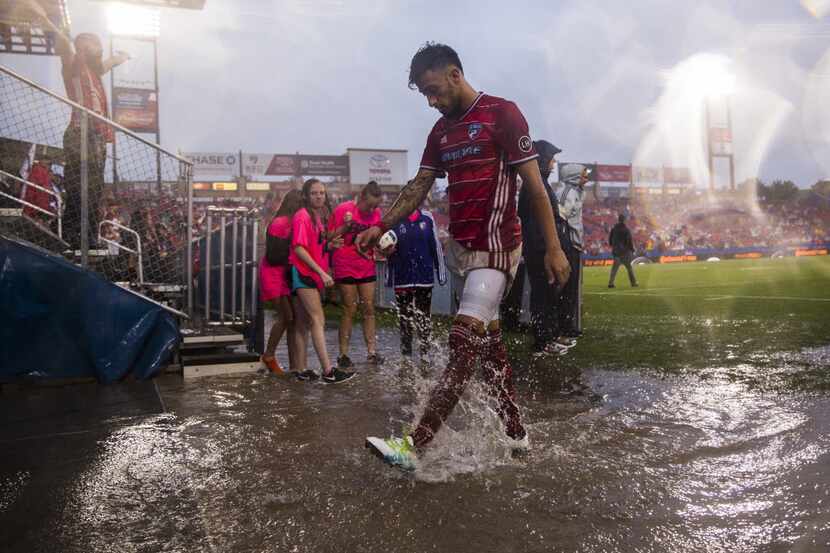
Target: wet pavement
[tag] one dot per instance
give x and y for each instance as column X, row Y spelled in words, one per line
column 619, row 461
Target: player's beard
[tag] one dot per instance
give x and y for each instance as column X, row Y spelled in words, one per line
column 454, row 110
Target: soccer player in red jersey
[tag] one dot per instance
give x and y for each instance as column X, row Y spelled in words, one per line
column 481, row 143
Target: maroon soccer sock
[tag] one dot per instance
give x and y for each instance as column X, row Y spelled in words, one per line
column 498, row 375
column 465, row 346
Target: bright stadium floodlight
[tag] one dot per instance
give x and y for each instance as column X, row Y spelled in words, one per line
column 712, row 76
column 132, row 20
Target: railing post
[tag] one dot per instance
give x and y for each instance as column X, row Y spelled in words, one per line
column 206, row 268
column 235, row 243
column 254, row 261
column 222, row 246
column 84, row 190
column 188, row 181
column 243, row 280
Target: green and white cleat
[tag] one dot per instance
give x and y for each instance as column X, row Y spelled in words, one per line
column 395, row 451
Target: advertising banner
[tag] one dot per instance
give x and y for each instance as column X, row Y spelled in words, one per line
column 323, row 166
column 677, row 175
column 613, row 173
column 257, row 165
column 139, row 70
column 225, row 164
column 381, row 166
column 289, row 165
column 136, row 109
column 648, row 175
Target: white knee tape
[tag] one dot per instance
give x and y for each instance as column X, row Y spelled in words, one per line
column 483, row 290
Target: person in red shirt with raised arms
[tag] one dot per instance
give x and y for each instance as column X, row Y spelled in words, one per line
column 82, row 66
column 481, row 143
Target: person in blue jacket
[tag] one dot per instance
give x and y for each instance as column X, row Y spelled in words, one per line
column 412, row 265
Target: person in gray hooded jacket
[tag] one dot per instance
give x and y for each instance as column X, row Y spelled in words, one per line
column 570, row 195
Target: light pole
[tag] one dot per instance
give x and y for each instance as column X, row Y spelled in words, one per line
column 141, row 24
column 719, row 84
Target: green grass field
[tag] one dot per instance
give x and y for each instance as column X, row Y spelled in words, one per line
column 764, row 322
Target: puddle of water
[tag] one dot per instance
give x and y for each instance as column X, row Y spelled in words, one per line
column 633, row 462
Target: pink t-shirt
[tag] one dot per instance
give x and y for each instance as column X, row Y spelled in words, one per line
column 346, row 261
column 272, row 279
column 311, row 236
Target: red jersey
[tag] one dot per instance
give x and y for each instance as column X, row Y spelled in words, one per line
column 83, row 86
column 479, row 152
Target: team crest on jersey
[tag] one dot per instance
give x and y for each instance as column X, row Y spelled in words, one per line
column 525, row 144
column 444, row 139
column 473, row 130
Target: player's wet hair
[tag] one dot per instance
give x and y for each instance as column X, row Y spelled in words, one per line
column 372, row 188
column 431, row 56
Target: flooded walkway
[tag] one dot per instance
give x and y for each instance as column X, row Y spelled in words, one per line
column 624, row 462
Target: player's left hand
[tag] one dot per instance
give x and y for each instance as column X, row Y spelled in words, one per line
column 367, row 239
column 557, row 267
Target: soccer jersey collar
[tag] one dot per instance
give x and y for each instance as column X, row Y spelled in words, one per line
column 471, row 108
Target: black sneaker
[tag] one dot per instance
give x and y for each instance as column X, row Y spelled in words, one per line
column 611, row 286
column 375, row 359
column 307, row 374
column 336, row 376
column 344, row 362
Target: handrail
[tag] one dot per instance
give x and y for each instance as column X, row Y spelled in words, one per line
column 123, row 247
column 92, row 114
column 37, row 208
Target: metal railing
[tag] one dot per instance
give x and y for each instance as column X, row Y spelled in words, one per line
column 120, row 246
column 149, row 188
column 229, row 263
column 57, row 214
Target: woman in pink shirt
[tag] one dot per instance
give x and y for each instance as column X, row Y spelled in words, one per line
column 275, row 280
column 309, row 276
column 354, row 271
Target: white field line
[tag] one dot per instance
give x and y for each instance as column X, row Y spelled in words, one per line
column 710, row 297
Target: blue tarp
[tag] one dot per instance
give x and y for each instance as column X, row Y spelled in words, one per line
column 58, row 320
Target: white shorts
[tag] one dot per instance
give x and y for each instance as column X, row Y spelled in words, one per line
column 481, row 293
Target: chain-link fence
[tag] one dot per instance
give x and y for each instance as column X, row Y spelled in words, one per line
column 79, row 185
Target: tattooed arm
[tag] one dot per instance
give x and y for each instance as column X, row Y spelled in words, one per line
column 411, row 197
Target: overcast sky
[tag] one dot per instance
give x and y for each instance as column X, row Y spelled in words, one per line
column 606, row 81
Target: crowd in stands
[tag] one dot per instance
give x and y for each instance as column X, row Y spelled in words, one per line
column 718, row 222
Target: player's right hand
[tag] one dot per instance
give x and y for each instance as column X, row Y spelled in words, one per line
column 328, row 282
column 367, row 239
column 557, row 267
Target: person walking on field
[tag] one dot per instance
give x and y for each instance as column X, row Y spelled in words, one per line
column 354, row 272
column 622, row 248
column 309, row 277
column 275, row 281
column 482, row 144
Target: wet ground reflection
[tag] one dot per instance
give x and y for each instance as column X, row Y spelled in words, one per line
column 631, row 462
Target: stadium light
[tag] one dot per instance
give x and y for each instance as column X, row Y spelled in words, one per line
column 132, row 20
column 712, row 76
